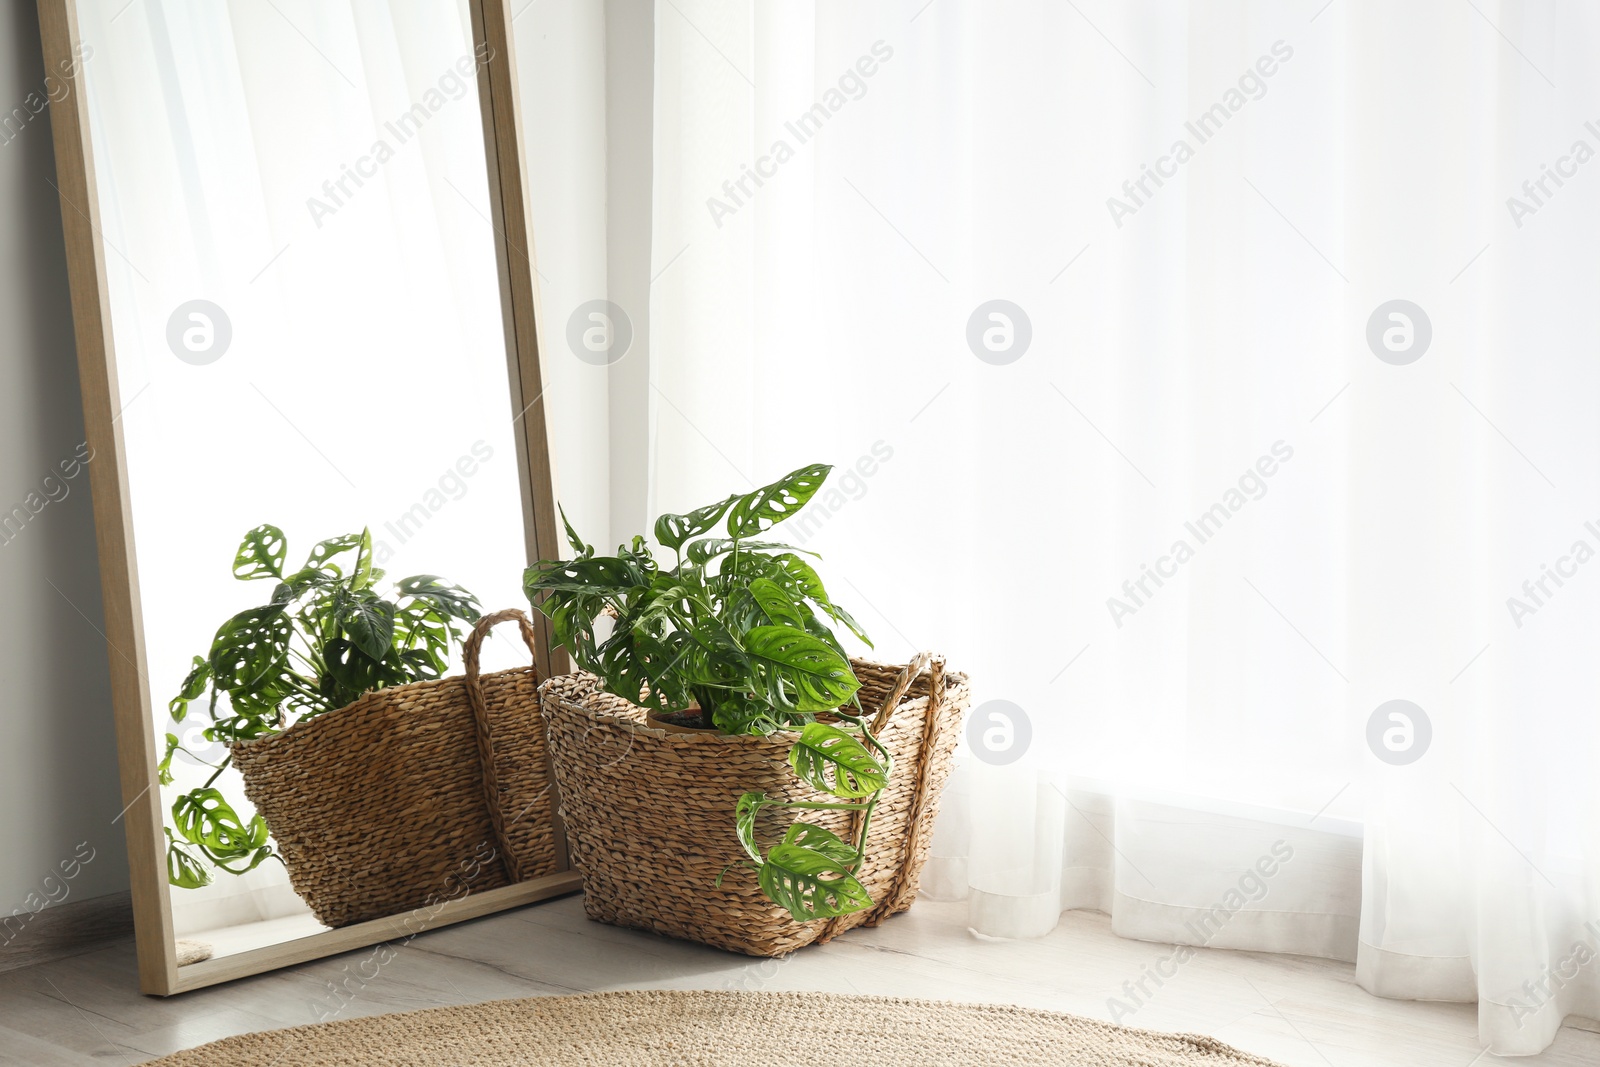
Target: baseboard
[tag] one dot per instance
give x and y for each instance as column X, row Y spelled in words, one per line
column 66, row 930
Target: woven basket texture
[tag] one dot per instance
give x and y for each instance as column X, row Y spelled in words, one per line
column 411, row 796
column 649, row 812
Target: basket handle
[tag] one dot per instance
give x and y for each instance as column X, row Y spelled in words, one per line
column 480, row 721
column 922, row 661
column 934, row 665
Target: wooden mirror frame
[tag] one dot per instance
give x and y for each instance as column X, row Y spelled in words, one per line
column 124, row 633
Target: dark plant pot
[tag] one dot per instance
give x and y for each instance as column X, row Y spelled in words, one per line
column 661, row 722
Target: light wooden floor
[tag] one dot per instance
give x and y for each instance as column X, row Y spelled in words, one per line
column 1301, row 1012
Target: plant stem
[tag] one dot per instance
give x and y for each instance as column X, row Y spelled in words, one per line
column 888, row 772
column 220, row 768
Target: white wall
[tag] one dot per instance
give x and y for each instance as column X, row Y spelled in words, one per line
column 630, row 131
column 584, row 76
column 561, row 70
column 58, row 776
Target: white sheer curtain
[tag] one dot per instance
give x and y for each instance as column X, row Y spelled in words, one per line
column 317, row 172
column 1202, row 527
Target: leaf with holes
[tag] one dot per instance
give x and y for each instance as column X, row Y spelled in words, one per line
column 777, row 605
column 260, row 554
column 744, row 822
column 745, row 713
column 673, row 530
column 810, row 884
column 164, row 768
column 814, row 674
column 707, row 549
column 205, row 818
column 183, row 870
column 584, row 576
column 760, row 511
column 821, row 840
column 450, row 599
column 800, row 579
column 835, row 761
column 256, row 859
column 318, row 562
column 350, row 672
column 251, row 648
column 369, row 623
column 194, row 685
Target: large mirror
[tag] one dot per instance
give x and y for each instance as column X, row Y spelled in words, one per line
column 306, row 321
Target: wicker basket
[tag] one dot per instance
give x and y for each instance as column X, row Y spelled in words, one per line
column 412, row 795
column 649, row 812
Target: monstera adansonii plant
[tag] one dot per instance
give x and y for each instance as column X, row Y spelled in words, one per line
column 741, row 628
column 326, row 636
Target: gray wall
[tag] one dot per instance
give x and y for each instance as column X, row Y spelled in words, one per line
column 58, row 775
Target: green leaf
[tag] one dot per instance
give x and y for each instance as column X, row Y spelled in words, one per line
column 260, row 854
column 164, row 768
column 706, row 549
column 183, row 869
column 640, row 667
column 795, row 575
column 776, row 604
column 251, row 648
column 323, row 551
column 205, row 818
column 834, row 761
column 260, row 554
column 840, row 615
column 602, row 573
column 262, row 699
column 744, row 822
column 351, row 672
column 763, row 509
column 452, row 600
column 814, row 676
column 673, row 530
column 364, row 575
column 798, row 576
column 194, row 685
column 810, row 885
column 583, row 550
column 745, row 713
column 821, row 840
column 369, row 623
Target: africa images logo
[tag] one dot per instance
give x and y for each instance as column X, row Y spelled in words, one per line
column 1252, row 85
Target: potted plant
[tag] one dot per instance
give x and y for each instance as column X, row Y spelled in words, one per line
column 306, row 692
column 756, row 738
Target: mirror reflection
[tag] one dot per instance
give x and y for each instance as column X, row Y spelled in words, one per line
column 320, row 441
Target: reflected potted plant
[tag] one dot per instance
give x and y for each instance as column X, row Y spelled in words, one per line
column 325, row 637
column 332, row 703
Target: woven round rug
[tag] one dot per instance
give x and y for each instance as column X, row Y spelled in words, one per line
column 712, row 1029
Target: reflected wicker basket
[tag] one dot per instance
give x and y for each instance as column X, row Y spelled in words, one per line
column 649, row 812
column 412, row 795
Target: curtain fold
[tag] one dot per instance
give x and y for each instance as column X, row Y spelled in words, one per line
column 1203, row 380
